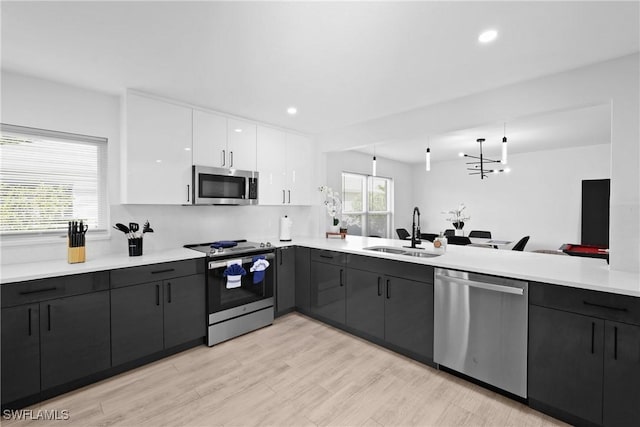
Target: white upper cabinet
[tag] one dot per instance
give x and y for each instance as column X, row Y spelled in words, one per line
column 209, row 139
column 241, row 144
column 223, row 142
column 156, row 152
column 285, row 164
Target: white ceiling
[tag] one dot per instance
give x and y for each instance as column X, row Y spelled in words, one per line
column 339, row 63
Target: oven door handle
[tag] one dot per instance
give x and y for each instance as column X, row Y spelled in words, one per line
column 218, row 264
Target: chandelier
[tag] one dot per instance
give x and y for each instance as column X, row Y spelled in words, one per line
column 483, row 165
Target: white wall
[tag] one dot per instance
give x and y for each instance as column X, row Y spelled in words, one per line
column 352, row 161
column 34, row 102
column 616, row 82
column 540, row 197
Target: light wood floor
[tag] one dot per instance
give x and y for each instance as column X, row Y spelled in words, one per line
column 297, row 372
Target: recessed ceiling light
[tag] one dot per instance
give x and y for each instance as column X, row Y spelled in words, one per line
column 488, row 36
column 238, row 130
column 292, row 110
column 158, row 161
column 187, row 149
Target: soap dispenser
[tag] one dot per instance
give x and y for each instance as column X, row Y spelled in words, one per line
column 440, row 243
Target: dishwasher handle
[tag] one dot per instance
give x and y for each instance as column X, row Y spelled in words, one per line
column 482, row 285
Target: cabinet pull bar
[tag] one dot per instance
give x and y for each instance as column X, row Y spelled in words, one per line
column 593, row 336
column 283, row 197
column 379, row 290
column 341, row 283
column 38, row 291
column 289, row 192
column 326, row 256
column 615, row 343
column 29, row 322
column 608, row 307
column 224, row 157
column 48, row 317
column 163, row 271
column 188, row 192
column 157, row 294
column 169, row 292
column 388, row 297
column 230, row 159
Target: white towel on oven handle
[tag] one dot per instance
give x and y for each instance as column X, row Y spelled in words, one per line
column 234, row 280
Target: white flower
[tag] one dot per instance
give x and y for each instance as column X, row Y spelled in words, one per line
column 332, row 201
column 457, row 214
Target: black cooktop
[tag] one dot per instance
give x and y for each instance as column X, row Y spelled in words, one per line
column 228, row 248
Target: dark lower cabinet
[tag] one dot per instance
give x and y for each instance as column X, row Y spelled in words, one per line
column 327, row 291
column 302, row 278
column 409, row 315
column 184, row 310
column 621, row 374
column 366, row 302
column 150, row 317
column 565, row 369
column 136, row 321
column 20, row 352
column 286, row 279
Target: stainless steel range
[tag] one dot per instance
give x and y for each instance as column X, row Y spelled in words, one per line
column 240, row 283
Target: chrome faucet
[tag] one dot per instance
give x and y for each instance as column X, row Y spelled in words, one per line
column 415, row 229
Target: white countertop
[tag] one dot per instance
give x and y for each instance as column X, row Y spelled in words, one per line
column 37, row 270
column 577, row 272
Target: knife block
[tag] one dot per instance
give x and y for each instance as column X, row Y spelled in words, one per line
column 75, row 255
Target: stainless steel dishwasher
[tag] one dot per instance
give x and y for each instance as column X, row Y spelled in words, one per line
column 481, row 328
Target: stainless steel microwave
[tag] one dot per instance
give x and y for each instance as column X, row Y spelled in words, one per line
column 222, row 186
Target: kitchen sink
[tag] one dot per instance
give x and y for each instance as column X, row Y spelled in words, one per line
column 398, row 251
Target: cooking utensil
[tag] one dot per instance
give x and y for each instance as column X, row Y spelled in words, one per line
column 134, row 227
column 122, row 228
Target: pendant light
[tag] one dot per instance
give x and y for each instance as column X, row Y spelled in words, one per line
column 427, row 163
column 373, row 163
column 480, row 166
column 504, row 146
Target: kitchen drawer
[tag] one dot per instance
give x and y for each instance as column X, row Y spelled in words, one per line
column 14, row 294
column 330, row 257
column 603, row 305
column 156, row 272
column 405, row 270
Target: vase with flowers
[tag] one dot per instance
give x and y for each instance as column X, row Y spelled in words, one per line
column 457, row 219
column 333, row 205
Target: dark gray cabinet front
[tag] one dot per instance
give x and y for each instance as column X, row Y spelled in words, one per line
column 20, row 352
column 136, row 321
column 286, row 278
column 565, row 368
column 409, row 315
column 327, row 291
column 621, row 374
column 365, row 302
column 184, row 310
column 74, row 338
column 302, row 278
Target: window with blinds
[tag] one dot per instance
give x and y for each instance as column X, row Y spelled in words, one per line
column 49, row 178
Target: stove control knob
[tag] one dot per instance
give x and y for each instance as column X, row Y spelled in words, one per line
column 268, row 244
column 261, row 245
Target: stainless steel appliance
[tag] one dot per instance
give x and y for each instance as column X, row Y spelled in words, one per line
column 481, row 328
column 243, row 306
column 221, row 186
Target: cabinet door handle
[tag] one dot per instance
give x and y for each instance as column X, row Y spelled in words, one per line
column 188, row 192
column 230, row 159
column 169, row 292
column 29, row 322
column 38, row 291
column 48, row 317
column 289, row 192
column 166, row 270
column 379, row 290
column 608, row 307
column 388, row 297
column 615, row 343
column 224, row 157
column 157, row 294
column 341, row 283
column 593, row 337
column 326, row 256
column 283, row 197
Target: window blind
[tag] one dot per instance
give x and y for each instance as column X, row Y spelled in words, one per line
column 48, row 178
